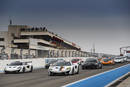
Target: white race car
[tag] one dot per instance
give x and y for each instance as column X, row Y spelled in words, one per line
column 19, row 67
column 119, row 60
column 63, row 67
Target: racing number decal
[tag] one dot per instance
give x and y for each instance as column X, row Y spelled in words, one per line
column 61, row 68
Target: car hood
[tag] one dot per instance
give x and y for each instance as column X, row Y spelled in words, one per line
column 89, row 63
column 118, row 59
column 12, row 66
column 58, row 67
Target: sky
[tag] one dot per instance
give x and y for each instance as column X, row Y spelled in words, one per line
column 105, row 23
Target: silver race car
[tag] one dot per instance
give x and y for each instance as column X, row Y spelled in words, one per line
column 18, row 66
column 63, row 67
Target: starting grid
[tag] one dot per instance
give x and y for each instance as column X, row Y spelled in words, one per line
column 103, row 79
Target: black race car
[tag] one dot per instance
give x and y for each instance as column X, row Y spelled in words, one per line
column 92, row 63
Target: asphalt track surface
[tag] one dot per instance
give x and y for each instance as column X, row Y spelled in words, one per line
column 40, row 78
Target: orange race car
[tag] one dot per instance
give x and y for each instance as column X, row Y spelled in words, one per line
column 106, row 61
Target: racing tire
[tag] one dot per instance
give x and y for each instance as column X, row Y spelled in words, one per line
column 31, row 69
column 100, row 66
column 50, row 73
column 72, row 72
column 77, row 71
column 17, row 72
column 23, row 70
column 46, row 67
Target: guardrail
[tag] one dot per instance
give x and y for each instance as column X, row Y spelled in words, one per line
column 102, row 79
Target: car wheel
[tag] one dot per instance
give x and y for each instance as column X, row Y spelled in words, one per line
column 46, row 67
column 95, row 67
column 24, row 70
column 50, row 73
column 31, row 69
column 17, row 71
column 72, row 72
column 101, row 67
column 77, row 71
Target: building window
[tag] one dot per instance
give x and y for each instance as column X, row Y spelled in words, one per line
column 1, row 39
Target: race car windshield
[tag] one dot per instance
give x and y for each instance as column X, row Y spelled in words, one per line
column 75, row 60
column 106, row 60
column 91, row 60
column 51, row 62
column 62, row 64
column 15, row 64
column 118, row 58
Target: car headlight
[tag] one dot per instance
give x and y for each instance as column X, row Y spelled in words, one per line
column 69, row 68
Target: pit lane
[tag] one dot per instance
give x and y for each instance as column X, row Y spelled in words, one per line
column 40, row 78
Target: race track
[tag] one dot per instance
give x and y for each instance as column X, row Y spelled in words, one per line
column 40, row 78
